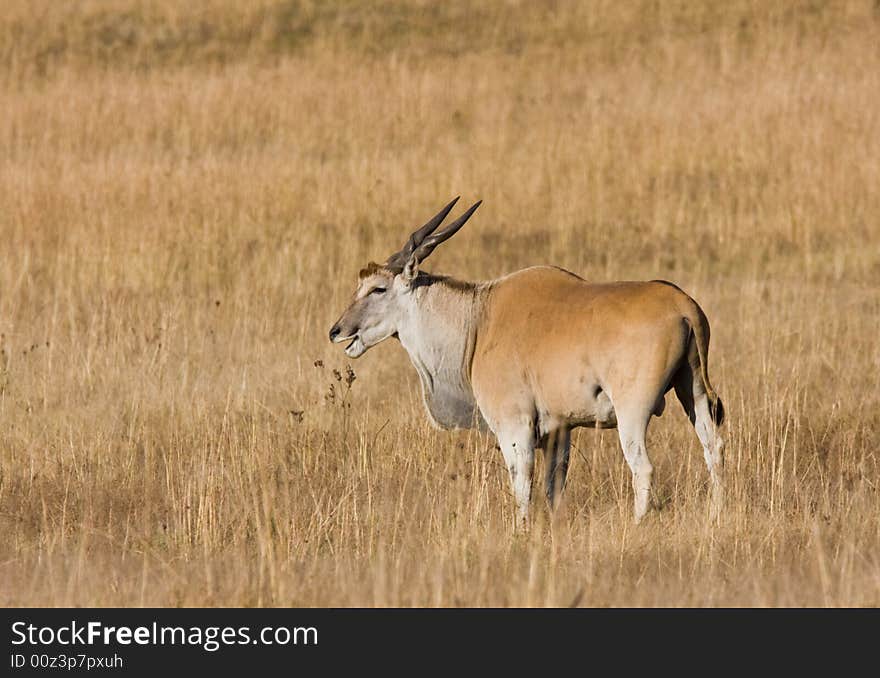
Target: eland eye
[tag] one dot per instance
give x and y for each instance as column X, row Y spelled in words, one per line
column 377, row 290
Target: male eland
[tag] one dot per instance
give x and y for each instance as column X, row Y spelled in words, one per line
column 539, row 352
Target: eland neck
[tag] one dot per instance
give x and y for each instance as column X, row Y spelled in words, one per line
column 438, row 331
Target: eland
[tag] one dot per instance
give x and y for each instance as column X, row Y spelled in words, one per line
column 538, row 352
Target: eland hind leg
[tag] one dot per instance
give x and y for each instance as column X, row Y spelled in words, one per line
column 632, row 427
column 691, row 393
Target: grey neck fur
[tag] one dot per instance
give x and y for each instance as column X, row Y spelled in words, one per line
column 438, row 332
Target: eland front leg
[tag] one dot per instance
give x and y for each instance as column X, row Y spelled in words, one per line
column 518, row 447
column 556, row 454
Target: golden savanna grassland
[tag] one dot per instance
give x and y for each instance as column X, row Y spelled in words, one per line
column 187, row 192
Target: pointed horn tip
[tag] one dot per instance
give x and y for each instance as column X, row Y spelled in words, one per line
column 473, row 208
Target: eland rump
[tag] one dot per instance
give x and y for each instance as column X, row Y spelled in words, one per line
column 539, row 352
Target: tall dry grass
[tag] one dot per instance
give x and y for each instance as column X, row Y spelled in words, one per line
column 188, row 191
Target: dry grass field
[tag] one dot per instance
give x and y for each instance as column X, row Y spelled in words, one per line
column 187, row 192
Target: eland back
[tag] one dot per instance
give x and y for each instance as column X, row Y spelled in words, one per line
column 539, row 352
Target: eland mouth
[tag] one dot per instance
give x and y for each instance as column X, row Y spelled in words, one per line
column 355, row 346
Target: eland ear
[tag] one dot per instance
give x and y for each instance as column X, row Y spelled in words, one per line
column 410, row 270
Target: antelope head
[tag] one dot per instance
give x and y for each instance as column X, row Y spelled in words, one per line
column 383, row 293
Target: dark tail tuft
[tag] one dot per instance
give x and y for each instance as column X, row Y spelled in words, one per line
column 717, row 408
